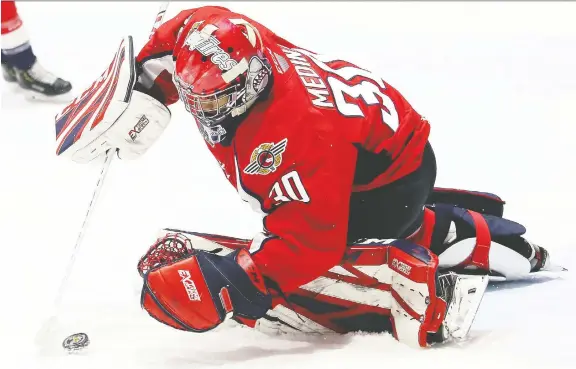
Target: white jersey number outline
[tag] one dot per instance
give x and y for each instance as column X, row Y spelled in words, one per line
column 369, row 90
column 293, row 186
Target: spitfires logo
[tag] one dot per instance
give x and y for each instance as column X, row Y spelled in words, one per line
column 266, row 158
column 207, row 45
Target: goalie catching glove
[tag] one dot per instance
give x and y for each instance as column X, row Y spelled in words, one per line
column 110, row 114
column 194, row 290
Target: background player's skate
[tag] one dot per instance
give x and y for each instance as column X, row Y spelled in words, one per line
column 20, row 65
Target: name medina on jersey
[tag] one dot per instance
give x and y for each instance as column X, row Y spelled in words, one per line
column 266, row 158
column 207, row 45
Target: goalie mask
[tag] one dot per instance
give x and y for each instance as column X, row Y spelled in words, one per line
column 220, row 71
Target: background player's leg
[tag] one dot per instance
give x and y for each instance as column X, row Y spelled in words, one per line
column 19, row 63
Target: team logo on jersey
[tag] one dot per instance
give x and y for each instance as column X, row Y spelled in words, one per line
column 266, row 158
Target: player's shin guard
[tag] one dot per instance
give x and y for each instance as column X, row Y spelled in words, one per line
column 195, row 290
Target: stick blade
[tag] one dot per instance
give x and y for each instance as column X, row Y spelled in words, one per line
column 48, row 339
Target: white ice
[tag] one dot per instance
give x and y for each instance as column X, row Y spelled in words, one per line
column 496, row 80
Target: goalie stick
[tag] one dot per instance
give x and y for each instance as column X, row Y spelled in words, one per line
column 44, row 337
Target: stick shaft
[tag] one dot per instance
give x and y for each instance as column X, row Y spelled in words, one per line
column 49, row 325
column 105, row 166
column 159, row 17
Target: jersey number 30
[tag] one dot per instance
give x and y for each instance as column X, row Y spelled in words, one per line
column 289, row 188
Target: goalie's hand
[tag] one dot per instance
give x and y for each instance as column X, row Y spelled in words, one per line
column 197, row 290
column 139, row 127
column 110, row 114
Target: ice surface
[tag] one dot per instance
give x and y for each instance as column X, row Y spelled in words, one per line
column 496, row 80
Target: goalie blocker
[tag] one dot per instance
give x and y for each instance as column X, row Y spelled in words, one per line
column 195, row 282
column 110, row 114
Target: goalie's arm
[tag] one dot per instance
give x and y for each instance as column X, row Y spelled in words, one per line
column 155, row 62
column 306, row 231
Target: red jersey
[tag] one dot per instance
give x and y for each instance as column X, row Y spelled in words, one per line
column 295, row 154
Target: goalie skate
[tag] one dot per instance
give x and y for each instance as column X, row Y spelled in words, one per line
column 463, row 295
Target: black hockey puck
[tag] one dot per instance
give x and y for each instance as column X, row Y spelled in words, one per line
column 76, row 342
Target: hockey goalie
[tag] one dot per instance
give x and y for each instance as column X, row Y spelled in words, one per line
column 355, row 235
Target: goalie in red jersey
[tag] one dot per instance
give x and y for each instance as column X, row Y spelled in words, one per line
column 337, row 162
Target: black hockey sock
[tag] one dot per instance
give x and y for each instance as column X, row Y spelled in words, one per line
column 21, row 57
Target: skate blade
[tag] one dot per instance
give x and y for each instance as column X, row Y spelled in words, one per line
column 468, row 293
column 35, row 96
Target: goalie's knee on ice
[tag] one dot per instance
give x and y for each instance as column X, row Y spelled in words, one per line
column 422, row 305
column 415, row 309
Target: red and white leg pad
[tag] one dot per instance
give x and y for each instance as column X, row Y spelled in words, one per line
column 415, row 310
column 392, row 278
